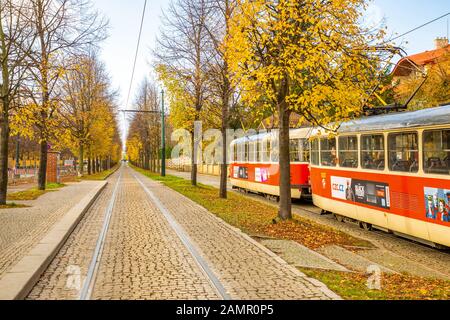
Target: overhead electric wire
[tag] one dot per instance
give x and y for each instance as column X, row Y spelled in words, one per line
column 417, row 28
column 137, row 52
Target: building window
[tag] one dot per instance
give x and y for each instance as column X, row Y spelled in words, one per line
column 436, row 149
column 404, row 152
column 348, row 152
column 328, row 155
column 373, row 152
column 315, row 158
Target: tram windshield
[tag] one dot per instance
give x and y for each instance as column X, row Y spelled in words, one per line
column 299, row 149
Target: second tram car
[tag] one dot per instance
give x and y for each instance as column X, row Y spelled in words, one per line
column 255, row 164
column 390, row 171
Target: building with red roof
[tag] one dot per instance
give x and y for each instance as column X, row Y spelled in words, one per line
column 415, row 64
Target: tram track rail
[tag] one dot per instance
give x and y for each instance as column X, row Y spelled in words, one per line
column 88, row 287
column 187, row 242
column 89, row 284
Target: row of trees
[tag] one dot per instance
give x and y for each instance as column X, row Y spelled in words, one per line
column 313, row 58
column 144, row 138
column 53, row 87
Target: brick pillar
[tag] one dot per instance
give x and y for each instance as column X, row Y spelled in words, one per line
column 52, row 167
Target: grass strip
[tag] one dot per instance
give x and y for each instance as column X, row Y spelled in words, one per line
column 101, row 175
column 34, row 193
column 354, row 286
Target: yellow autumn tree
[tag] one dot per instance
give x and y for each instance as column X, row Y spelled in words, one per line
column 304, row 56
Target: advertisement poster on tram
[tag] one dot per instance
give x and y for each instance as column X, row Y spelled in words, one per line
column 261, row 175
column 243, row 173
column 370, row 193
column 437, row 204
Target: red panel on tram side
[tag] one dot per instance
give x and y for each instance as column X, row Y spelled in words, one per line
column 401, row 195
column 269, row 173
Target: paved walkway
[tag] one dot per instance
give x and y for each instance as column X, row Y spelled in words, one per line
column 145, row 258
column 22, row 228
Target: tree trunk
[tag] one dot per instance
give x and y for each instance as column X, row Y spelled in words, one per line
column 4, row 137
column 81, row 160
column 89, row 168
column 42, row 178
column 285, row 212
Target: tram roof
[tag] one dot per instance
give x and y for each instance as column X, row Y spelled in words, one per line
column 295, row 133
column 414, row 119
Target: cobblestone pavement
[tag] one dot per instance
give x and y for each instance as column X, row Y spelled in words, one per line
column 144, row 258
column 391, row 251
column 22, row 228
column 63, row 278
column 246, row 269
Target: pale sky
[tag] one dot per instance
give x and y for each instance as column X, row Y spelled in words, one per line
column 119, row 50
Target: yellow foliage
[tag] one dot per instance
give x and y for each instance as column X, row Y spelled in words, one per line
column 312, row 56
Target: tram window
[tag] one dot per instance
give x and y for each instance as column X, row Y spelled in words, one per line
column 315, row 159
column 348, row 152
column 235, row 152
column 295, row 150
column 305, row 153
column 436, row 147
column 241, row 152
column 246, row 151
column 251, row 151
column 404, row 152
column 256, row 151
column 373, row 152
column 328, row 155
column 265, row 150
column 275, row 155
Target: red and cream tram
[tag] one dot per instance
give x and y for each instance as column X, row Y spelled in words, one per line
column 391, row 172
column 255, row 164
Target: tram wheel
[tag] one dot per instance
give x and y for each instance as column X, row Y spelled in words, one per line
column 366, row 226
column 339, row 218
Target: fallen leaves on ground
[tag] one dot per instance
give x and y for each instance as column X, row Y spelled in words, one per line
column 354, row 286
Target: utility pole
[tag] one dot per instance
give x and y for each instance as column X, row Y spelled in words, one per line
column 163, row 136
column 163, row 131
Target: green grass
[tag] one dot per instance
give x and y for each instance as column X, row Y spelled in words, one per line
column 256, row 218
column 13, row 206
column 33, row 194
column 101, row 175
column 353, row 286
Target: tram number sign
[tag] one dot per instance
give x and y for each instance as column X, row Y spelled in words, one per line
column 370, row 193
